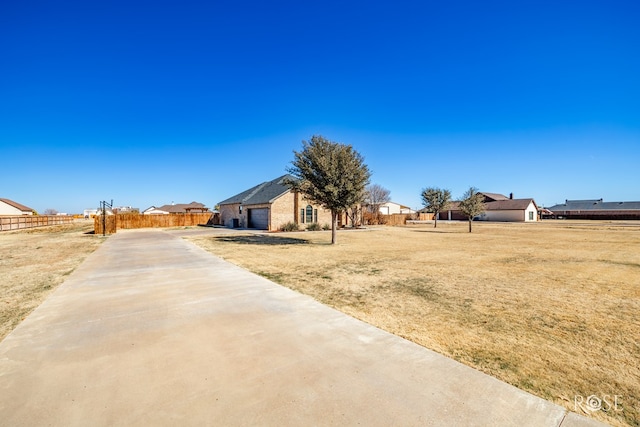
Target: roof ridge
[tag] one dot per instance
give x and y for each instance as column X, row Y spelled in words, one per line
column 255, row 190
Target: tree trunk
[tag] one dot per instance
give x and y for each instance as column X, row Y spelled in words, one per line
column 334, row 225
column 470, row 220
column 435, row 219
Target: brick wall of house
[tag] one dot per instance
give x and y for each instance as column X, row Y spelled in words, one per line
column 324, row 215
column 287, row 209
column 229, row 212
column 284, row 209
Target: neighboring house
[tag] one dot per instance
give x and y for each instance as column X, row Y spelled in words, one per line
column 269, row 206
column 452, row 213
column 90, row 213
column 498, row 208
column 126, row 209
column 192, row 207
column 510, row 210
column 596, row 209
column 391, row 208
column 9, row 207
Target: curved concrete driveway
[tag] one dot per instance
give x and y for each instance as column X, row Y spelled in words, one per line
column 152, row 330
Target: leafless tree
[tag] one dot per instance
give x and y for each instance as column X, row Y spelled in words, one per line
column 376, row 196
column 355, row 215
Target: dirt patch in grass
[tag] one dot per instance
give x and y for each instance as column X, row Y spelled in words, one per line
column 552, row 308
column 34, row 262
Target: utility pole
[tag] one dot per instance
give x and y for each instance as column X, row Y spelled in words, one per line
column 103, row 208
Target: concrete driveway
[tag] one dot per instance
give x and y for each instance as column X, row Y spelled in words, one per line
column 152, row 330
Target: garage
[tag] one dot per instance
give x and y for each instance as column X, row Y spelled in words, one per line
column 259, row 218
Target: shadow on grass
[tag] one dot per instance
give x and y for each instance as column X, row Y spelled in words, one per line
column 431, row 230
column 261, row 239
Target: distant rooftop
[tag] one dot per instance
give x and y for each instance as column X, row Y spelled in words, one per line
column 594, row 204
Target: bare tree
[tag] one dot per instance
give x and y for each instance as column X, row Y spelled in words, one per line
column 435, row 200
column 355, row 215
column 50, row 211
column 376, row 196
column 472, row 204
column 331, row 174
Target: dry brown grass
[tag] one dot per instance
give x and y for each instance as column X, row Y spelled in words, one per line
column 552, row 308
column 34, row 262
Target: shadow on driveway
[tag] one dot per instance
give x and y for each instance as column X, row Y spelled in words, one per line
column 261, row 239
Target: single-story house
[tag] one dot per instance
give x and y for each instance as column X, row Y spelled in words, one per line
column 176, row 208
column 510, row 210
column 391, row 208
column 595, row 209
column 9, row 207
column 498, row 207
column 126, row 209
column 271, row 205
column 90, row 213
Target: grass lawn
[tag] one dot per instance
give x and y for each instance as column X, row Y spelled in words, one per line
column 33, row 262
column 552, row 308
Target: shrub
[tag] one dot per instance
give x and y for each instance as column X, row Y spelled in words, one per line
column 326, row 227
column 314, row 226
column 290, row 226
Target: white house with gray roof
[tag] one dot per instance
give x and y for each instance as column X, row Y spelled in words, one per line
column 498, row 207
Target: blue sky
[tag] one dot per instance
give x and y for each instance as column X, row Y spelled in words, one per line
column 150, row 102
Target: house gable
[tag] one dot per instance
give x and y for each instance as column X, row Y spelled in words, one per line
column 263, row 193
column 395, row 208
column 9, row 207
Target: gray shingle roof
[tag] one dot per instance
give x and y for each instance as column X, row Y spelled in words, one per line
column 493, row 196
column 594, row 205
column 261, row 193
column 183, row 207
column 509, row 204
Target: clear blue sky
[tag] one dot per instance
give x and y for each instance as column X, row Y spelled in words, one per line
column 148, row 102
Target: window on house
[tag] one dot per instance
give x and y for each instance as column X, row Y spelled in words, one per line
column 530, row 215
column 309, row 216
column 302, row 216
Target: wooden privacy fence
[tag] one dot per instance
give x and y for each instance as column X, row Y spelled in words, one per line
column 394, row 219
column 131, row 220
column 31, row 221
